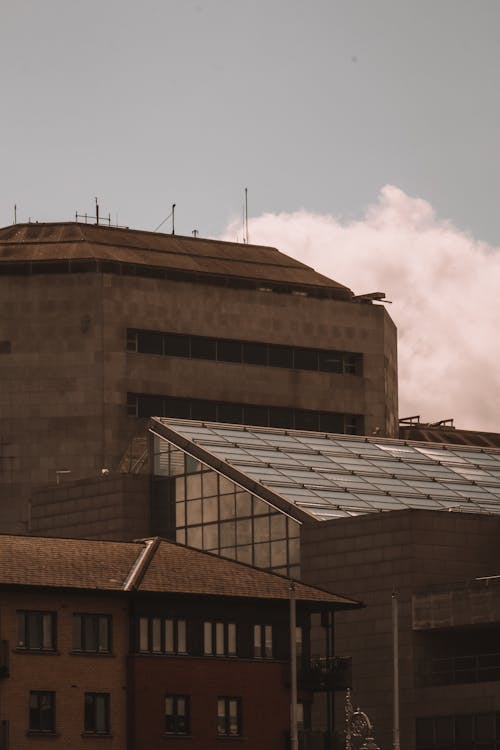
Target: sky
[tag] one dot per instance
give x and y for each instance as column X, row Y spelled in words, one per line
column 366, row 132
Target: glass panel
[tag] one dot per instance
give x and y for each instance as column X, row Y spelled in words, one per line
column 278, row 553
column 280, row 356
column 330, row 361
column 156, row 635
column 21, row 630
column 219, row 638
column 193, row 486
column 181, row 637
column 221, row 716
column 143, row 634
column 169, row 636
column 231, row 639
column 210, row 484
column 262, row 555
column 233, row 718
column 101, row 722
column 180, row 514
column 278, row 526
column 194, row 536
column 231, row 413
column 229, row 351
column 268, row 638
column 202, row 347
column 193, row 512
column 103, row 634
column 46, row 712
column 89, row 633
column 244, row 554
column 305, row 359
column 260, row 507
column 227, row 531
column 149, row 342
column 210, row 509
column 207, row 639
column 243, row 504
column 211, row 536
column 444, row 730
column 244, row 531
column 257, row 640
column 261, row 529
column 227, row 506
column 180, row 536
column 255, row 354
column 205, row 411
column 34, row 630
column 176, row 345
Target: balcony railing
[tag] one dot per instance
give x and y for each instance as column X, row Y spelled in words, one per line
column 456, row 670
column 332, row 673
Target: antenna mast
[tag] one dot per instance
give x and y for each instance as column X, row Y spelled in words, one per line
column 173, row 218
column 246, row 213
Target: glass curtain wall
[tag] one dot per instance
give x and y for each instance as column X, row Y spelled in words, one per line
column 216, row 515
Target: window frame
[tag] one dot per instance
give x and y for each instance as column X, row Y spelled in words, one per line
column 217, row 638
column 263, row 641
column 157, row 627
column 92, row 699
column 25, row 618
column 36, row 727
column 224, row 717
column 95, row 619
column 181, row 723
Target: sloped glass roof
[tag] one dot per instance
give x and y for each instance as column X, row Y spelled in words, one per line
column 328, row 475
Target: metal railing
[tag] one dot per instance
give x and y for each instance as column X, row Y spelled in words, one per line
column 326, row 673
column 456, row 670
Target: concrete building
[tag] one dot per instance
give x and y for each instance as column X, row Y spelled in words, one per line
column 150, row 644
column 101, row 327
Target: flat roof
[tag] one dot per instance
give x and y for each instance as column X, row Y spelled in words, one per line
column 322, row 476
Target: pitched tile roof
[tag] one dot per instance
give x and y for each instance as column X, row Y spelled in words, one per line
column 76, row 241
column 169, row 568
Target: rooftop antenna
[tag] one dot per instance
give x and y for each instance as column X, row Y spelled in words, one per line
column 246, row 214
column 195, row 233
column 15, row 213
column 96, row 212
column 173, row 218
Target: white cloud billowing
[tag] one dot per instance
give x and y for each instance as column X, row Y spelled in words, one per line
column 445, row 288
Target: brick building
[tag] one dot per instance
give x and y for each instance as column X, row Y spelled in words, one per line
column 101, row 327
column 146, row 642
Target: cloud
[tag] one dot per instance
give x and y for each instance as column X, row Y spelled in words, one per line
column 445, row 288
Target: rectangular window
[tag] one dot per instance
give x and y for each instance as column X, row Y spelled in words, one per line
column 219, row 639
column 263, row 641
column 132, row 340
column 229, row 717
column 96, row 713
column 92, row 633
column 36, row 631
column 177, row 714
column 149, row 342
column 167, row 635
column 42, row 716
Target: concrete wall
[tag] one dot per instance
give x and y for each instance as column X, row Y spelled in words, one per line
column 65, row 372
column 367, row 557
column 115, row 507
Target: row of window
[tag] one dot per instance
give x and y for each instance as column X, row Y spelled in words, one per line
column 165, row 635
column 36, row 631
column 157, row 635
column 178, row 715
column 96, row 714
column 244, row 352
column 42, row 712
column 464, row 732
column 145, row 405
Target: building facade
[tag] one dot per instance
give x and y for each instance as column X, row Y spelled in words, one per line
column 102, row 327
column 135, row 645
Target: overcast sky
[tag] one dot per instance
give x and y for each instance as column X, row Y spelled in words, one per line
column 316, row 106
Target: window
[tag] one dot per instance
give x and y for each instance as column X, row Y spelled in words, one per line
column 96, row 713
column 36, row 631
column 177, row 714
column 465, row 732
column 229, row 717
column 162, row 635
column 42, row 717
column 92, row 633
column 219, row 639
column 263, row 641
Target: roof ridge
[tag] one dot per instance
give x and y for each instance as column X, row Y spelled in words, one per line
column 141, row 565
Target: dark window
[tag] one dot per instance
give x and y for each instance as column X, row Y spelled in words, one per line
column 149, row 342
column 96, row 713
column 280, row 356
column 255, row 354
column 331, row 422
column 229, row 717
column 306, row 420
column 305, row 359
column 162, row 635
column 205, row 411
column 42, row 717
column 5, row 347
column 466, row 732
column 228, row 351
column 150, row 406
column 92, row 633
column 133, row 405
column 176, row 345
column 230, row 413
column 219, row 638
column 352, row 364
column 281, row 417
column 178, row 408
column 203, row 348
column 256, row 415
column 132, row 337
column 330, row 361
column 36, row 631
column 177, row 714
column 263, row 641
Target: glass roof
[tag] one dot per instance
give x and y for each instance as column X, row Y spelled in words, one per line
column 336, row 475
